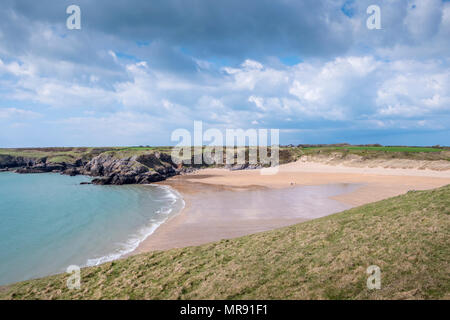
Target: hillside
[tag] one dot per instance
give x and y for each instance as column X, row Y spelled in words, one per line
column 287, row 153
column 52, row 155
column 121, row 165
column 406, row 236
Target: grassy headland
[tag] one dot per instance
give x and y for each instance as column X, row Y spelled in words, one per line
column 287, row 153
column 382, row 152
column 54, row 155
column 327, row 258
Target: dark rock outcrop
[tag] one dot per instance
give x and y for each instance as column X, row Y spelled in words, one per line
column 30, row 165
column 109, row 168
column 41, row 166
column 146, row 168
column 71, row 172
column 106, row 167
column 7, row 161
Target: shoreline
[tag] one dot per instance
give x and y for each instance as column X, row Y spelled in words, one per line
column 203, row 218
column 206, row 218
column 135, row 239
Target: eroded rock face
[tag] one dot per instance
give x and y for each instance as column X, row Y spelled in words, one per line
column 27, row 165
column 71, row 172
column 140, row 169
column 7, row 161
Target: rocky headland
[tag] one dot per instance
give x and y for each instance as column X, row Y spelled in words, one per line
column 106, row 168
column 142, row 165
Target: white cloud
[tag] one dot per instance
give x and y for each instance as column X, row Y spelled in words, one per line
column 258, row 101
column 417, row 93
column 347, row 88
column 16, row 69
column 251, row 65
column 18, row 114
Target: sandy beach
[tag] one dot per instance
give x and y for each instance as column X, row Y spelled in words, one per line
column 222, row 204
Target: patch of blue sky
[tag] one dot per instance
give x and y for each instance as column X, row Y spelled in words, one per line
column 140, row 43
column 219, row 61
column 18, row 104
column 126, row 56
column 291, row 60
column 348, row 8
column 185, row 51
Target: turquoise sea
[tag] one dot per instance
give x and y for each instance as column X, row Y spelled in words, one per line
column 49, row 222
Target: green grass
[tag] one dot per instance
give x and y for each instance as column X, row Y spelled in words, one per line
column 160, row 149
column 375, row 152
column 136, row 151
column 55, row 155
column 287, row 154
column 384, row 149
column 406, row 236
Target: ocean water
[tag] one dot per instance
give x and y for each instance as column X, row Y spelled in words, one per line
column 49, row 222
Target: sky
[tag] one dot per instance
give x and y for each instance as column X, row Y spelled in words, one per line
column 138, row 70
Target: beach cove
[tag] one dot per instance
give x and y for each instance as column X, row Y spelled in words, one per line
column 89, row 225
column 50, row 222
column 223, row 204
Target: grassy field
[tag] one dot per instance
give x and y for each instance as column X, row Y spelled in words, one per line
column 406, row 236
column 287, row 154
column 55, row 155
column 384, row 149
column 374, row 152
column 290, row 154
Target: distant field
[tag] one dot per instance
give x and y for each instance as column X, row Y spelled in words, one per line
column 406, row 236
column 55, row 155
column 385, row 149
column 147, row 148
column 287, row 154
column 375, row 152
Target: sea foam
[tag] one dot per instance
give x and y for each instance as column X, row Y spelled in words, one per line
column 143, row 233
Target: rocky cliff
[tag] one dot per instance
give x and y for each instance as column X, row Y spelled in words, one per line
column 106, row 167
column 140, row 169
column 7, row 161
column 35, row 165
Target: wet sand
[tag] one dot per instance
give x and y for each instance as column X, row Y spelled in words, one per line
column 222, row 204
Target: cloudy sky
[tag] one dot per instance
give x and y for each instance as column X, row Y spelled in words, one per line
column 137, row 70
